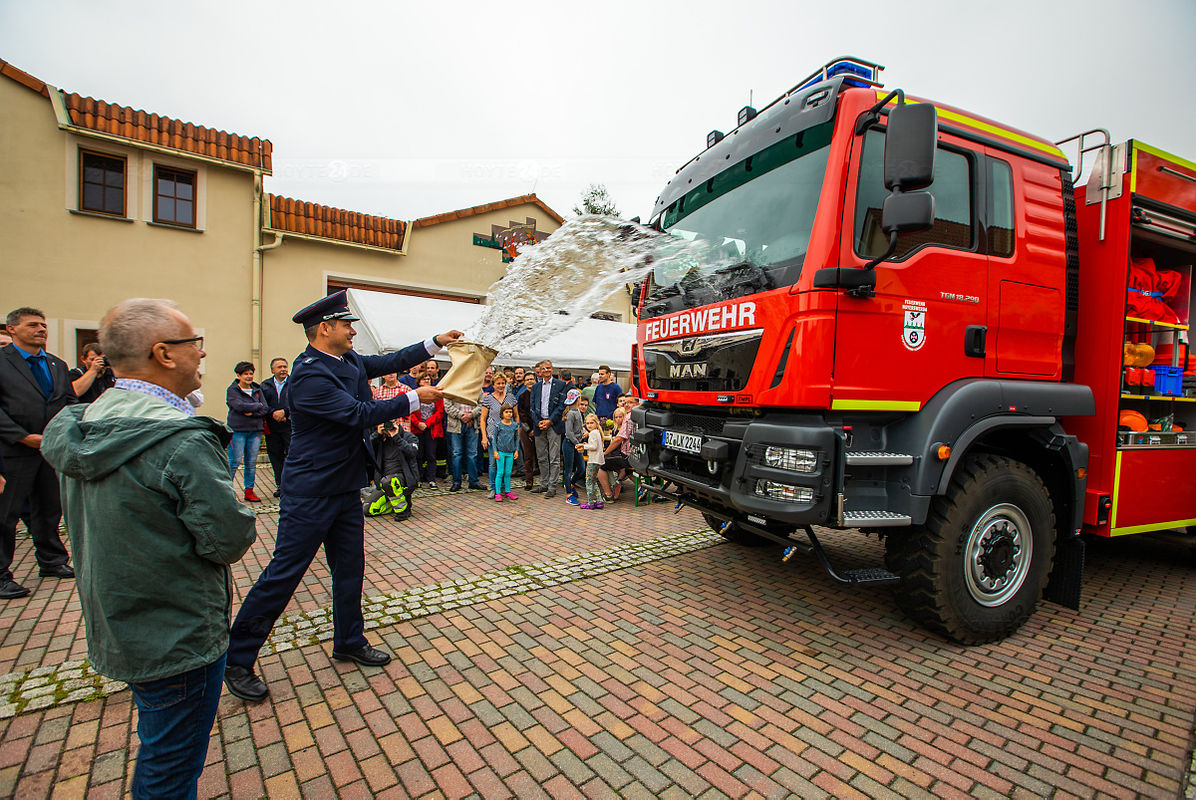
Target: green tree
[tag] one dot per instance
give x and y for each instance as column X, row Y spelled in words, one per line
column 596, row 200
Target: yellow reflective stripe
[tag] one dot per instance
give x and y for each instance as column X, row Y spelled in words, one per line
column 1116, row 486
column 1163, row 154
column 1004, row 133
column 875, row 405
column 1156, row 526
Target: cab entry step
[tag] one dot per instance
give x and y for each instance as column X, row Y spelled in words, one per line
column 875, row 519
column 879, row 459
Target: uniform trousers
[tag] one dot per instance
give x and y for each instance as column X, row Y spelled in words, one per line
column 31, row 478
column 336, row 522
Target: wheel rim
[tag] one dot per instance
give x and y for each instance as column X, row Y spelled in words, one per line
column 998, row 552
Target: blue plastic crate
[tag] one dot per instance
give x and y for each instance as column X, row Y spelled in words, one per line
column 1168, row 380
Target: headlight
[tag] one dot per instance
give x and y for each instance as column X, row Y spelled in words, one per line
column 791, row 459
column 783, row 491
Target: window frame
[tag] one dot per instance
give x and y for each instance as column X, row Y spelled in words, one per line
column 194, row 175
column 977, row 198
column 990, row 206
column 124, row 189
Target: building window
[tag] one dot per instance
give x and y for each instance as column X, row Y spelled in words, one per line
column 101, row 183
column 174, row 196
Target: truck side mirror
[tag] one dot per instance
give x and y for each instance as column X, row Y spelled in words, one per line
column 910, row 146
column 906, row 212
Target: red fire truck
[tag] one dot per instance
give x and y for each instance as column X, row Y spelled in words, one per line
column 901, row 318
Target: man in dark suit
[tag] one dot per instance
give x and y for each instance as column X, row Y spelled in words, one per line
column 34, row 386
column 548, row 425
column 278, row 422
column 332, row 413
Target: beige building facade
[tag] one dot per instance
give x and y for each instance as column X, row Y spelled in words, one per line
column 101, row 202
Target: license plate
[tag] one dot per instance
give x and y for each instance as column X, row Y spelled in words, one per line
column 685, row 442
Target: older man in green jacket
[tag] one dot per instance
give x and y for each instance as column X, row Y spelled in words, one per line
column 154, row 524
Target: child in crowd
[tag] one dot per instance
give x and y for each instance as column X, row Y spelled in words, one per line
column 592, row 447
column 506, row 450
column 575, row 432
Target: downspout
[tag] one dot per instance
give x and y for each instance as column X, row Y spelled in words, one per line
column 255, row 279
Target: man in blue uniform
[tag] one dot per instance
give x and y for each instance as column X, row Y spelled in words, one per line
column 331, row 414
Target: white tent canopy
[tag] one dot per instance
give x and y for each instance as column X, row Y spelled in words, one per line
column 390, row 322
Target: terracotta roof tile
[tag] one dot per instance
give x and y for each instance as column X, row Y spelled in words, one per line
column 312, row 219
column 23, row 78
column 138, row 125
column 135, row 124
column 464, row 213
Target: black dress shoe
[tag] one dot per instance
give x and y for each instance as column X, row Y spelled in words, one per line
column 242, row 683
column 477, row 486
column 277, row 493
column 365, row 655
column 10, row 589
column 57, row 571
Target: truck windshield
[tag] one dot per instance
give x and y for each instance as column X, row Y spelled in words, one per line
column 744, row 231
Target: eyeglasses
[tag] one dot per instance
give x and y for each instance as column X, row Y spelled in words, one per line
column 197, row 339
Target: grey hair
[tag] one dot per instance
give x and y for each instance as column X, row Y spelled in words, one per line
column 16, row 315
column 130, row 329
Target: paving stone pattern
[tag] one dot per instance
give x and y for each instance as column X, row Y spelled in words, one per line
column 628, row 653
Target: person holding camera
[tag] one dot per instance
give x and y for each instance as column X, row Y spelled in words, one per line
column 95, row 377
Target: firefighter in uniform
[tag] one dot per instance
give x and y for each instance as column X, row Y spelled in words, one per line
column 332, row 411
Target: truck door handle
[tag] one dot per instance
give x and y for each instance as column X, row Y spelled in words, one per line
column 973, row 340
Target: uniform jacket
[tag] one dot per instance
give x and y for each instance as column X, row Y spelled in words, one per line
column 556, row 405
column 332, row 412
column 154, row 523
column 241, row 404
column 277, row 402
column 23, row 407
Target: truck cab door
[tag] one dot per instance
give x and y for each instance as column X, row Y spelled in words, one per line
column 919, row 332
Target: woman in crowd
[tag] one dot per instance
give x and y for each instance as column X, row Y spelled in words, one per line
column 490, row 409
column 427, row 423
column 247, row 410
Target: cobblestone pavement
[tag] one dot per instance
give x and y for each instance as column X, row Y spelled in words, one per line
column 546, row 651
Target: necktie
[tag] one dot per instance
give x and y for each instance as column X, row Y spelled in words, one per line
column 38, row 365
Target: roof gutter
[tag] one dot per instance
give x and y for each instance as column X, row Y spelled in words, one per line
column 64, row 123
column 280, row 235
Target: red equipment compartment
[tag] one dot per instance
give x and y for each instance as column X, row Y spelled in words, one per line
column 1153, row 491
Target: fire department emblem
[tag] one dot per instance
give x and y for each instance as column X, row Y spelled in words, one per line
column 913, row 335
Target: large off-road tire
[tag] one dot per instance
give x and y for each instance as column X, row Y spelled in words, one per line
column 734, row 533
column 976, row 570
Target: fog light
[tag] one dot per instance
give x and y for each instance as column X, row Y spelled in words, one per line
column 791, row 459
column 784, row 491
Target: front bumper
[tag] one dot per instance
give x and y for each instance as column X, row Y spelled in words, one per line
column 729, row 469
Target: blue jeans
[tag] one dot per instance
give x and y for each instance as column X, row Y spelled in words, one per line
column 464, row 444
column 174, row 723
column 244, row 447
column 573, row 466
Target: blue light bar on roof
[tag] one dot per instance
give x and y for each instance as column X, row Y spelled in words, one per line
column 845, row 66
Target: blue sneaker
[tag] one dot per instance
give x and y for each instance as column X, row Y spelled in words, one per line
column 571, row 500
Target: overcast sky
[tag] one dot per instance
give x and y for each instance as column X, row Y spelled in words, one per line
column 408, row 109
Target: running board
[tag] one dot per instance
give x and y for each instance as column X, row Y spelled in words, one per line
column 875, row 519
column 879, row 459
